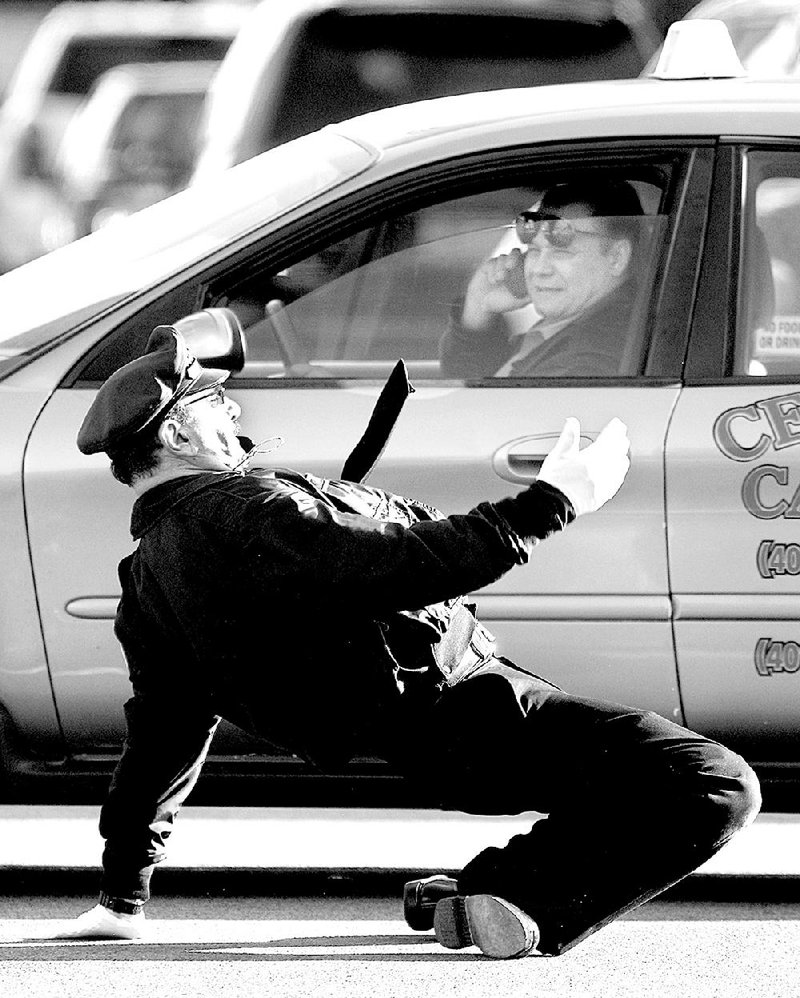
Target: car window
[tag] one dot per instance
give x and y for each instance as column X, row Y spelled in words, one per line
column 400, row 287
column 768, row 316
column 155, row 138
column 86, row 59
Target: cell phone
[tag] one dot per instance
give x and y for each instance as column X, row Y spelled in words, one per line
column 515, row 279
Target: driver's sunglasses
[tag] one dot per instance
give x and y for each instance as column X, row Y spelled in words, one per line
column 560, row 233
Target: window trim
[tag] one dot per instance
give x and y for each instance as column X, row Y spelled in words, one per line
column 712, row 343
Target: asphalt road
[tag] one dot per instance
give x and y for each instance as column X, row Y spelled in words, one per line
column 288, row 937
column 294, row 902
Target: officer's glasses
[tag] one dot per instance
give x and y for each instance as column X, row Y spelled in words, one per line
column 560, row 233
column 216, row 396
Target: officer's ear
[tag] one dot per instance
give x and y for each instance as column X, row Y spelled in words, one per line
column 175, row 436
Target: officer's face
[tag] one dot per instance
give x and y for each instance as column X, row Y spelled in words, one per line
column 213, row 423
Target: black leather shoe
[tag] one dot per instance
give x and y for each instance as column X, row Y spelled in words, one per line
column 498, row 928
column 420, row 897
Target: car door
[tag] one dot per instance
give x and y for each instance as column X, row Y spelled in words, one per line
column 327, row 305
column 733, row 465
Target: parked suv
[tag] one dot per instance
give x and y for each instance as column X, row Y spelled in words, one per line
column 300, row 64
column 73, row 46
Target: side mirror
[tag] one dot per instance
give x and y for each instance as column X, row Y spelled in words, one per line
column 215, row 336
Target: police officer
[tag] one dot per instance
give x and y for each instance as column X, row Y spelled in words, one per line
column 328, row 618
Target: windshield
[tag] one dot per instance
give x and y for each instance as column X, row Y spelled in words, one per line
column 51, row 296
column 362, row 64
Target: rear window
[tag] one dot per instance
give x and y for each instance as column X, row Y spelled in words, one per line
column 85, row 59
column 344, row 64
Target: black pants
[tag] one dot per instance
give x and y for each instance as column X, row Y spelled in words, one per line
column 633, row 802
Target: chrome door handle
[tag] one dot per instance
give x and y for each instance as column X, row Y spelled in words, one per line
column 520, row 460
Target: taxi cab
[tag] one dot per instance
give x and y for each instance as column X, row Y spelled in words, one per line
column 311, row 269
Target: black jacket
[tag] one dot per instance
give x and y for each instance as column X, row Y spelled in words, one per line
column 282, row 602
column 259, row 595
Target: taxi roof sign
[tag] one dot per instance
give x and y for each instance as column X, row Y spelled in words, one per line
column 698, row 49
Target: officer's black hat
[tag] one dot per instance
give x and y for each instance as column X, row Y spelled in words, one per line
column 143, row 391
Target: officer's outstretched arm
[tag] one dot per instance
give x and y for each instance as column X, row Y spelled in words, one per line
column 588, row 477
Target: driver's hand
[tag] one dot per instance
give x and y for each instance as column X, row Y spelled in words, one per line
column 588, row 477
column 491, row 291
column 101, row 923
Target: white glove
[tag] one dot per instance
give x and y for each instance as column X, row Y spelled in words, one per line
column 588, row 477
column 102, row 923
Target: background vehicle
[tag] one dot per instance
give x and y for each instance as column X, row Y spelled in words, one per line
column 313, row 267
column 665, row 12
column 133, row 142
column 300, row 64
column 74, row 44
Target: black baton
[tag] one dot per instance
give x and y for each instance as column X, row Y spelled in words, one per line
column 364, row 456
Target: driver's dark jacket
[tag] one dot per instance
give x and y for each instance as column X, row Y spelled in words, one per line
column 301, row 610
column 591, row 345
